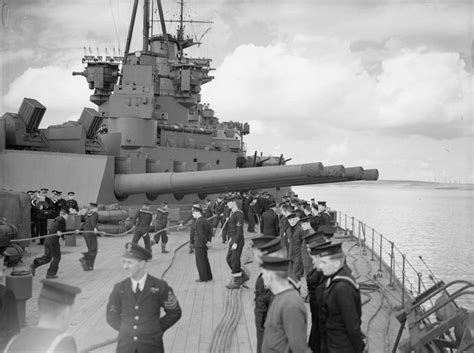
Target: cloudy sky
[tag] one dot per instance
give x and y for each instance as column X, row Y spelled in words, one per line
column 382, row 84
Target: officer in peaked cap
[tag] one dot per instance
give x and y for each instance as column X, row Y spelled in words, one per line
column 287, row 318
column 71, row 203
column 341, row 302
column 54, row 303
column 135, row 305
column 295, row 234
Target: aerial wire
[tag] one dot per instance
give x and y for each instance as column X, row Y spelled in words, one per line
column 115, row 24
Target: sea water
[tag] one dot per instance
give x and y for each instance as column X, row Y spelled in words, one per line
column 431, row 220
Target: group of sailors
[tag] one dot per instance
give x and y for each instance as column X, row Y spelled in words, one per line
column 45, row 205
column 295, row 243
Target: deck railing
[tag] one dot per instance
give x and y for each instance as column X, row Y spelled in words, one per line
column 389, row 257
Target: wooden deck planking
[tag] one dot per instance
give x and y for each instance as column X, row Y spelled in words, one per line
column 202, row 303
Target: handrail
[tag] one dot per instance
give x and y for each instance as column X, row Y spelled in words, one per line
column 387, row 254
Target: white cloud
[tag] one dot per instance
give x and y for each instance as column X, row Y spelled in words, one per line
column 291, row 86
column 61, row 93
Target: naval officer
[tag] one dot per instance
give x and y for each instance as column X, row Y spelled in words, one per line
column 135, row 305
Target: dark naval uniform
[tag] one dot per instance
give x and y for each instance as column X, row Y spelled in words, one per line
column 285, row 325
column 142, row 227
column 263, row 298
column 236, row 234
column 41, row 340
column 92, row 218
column 137, row 317
column 315, row 281
column 295, row 238
column 45, row 210
column 71, row 203
column 341, row 313
column 202, row 235
column 52, row 249
column 161, row 222
column 269, row 224
column 323, row 219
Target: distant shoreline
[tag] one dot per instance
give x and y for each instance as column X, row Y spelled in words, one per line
column 402, row 183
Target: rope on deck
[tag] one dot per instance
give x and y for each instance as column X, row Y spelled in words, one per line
column 222, row 336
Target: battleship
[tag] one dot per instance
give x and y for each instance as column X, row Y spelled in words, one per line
column 151, row 139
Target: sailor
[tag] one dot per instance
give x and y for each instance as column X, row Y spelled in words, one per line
column 90, row 225
column 307, row 262
column 286, row 322
column 269, row 224
column 9, row 321
column 33, row 213
column 218, row 210
column 284, row 225
column 324, row 216
column 135, row 304
column 340, row 304
column 52, row 249
column 295, row 239
column 263, row 245
column 202, row 241
column 59, row 202
column 142, row 224
column 192, row 223
column 45, row 210
column 207, row 209
column 235, row 225
column 252, row 213
column 54, row 303
column 160, row 224
column 315, row 282
column 71, row 203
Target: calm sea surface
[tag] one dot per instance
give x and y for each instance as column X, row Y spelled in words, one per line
column 435, row 221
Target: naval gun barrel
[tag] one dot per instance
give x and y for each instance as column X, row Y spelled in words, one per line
column 215, row 181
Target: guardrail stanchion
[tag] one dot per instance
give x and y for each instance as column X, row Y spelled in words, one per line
column 403, row 280
column 352, row 229
column 380, row 257
column 345, row 223
column 392, row 264
column 373, row 232
column 419, row 282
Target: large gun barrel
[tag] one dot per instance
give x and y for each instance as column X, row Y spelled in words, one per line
column 215, row 181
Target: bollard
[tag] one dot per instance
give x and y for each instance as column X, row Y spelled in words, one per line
column 21, row 283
